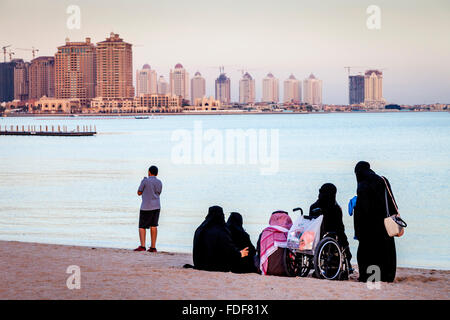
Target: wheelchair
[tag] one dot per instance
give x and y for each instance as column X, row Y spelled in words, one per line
column 328, row 259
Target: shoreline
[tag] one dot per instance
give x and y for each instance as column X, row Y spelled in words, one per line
column 189, row 252
column 156, row 115
column 38, row 271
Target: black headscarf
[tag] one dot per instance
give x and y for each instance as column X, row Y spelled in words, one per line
column 332, row 214
column 213, row 247
column 363, row 171
column 241, row 240
column 327, row 196
column 215, row 216
column 235, row 222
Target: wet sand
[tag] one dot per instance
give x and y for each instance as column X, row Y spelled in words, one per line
column 38, row 271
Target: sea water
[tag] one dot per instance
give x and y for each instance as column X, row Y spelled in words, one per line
column 82, row 190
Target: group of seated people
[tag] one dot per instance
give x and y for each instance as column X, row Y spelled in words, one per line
column 226, row 246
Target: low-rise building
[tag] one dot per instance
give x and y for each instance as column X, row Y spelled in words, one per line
column 54, row 105
column 205, row 104
column 145, row 103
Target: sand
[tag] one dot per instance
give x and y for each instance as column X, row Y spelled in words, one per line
column 38, row 271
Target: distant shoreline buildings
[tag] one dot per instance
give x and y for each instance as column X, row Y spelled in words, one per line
column 83, row 77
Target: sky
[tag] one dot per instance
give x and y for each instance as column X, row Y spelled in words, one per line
column 412, row 46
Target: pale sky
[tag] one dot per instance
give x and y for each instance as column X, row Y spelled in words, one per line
column 261, row 36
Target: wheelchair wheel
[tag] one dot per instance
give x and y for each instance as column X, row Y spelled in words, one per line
column 290, row 263
column 296, row 264
column 328, row 259
column 305, row 265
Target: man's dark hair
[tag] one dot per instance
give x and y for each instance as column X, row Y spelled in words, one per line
column 153, row 170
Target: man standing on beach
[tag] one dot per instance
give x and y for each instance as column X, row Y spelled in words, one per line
column 150, row 189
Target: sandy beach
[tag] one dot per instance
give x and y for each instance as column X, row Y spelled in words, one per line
column 38, row 271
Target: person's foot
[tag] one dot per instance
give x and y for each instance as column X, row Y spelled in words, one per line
column 140, row 248
column 152, row 250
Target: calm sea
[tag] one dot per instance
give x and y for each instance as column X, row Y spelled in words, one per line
column 82, row 190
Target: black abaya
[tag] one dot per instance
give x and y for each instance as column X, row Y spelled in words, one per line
column 332, row 215
column 241, row 240
column 376, row 247
column 213, row 247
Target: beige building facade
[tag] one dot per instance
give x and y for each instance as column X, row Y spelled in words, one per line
column 146, row 81
column 179, row 82
column 41, row 77
column 312, row 90
column 198, row 87
column 247, row 89
column 292, row 90
column 75, row 71
column 114, row 68
column 270, row 89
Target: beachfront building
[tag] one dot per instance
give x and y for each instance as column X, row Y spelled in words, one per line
column 223, row 89
column 41, row 78
column 114, row 68
column 75, row 71
column 21, row 86
column 247, row 89
column 146, row 81
column 312, row 90
column 54, row 105
column 163, row 86
column 198, row 87
column 205, row 104
column 159, row 103
column 356, row 89
column 292, row 90
column 145, row 103
column 270, row 89
column 373, row 89
column 179, row 82
column 112, row 105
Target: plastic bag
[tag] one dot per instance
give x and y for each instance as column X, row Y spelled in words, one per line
column 304, row 234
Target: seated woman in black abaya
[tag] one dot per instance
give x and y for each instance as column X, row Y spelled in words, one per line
column 241, row 240
column 214, row 249
column 332, row 215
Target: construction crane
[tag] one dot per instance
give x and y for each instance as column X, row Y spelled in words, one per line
column 244, row 69
column 367, row 68
column 221, row 68
column 33, row 50
column 4, row 52
column 10, row 53
column 349, row 68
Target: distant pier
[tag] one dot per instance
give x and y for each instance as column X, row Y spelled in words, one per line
column 60, row 131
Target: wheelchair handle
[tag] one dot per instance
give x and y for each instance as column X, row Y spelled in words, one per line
column 297, row 209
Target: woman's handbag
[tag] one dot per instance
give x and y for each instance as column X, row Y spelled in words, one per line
column 393, row 223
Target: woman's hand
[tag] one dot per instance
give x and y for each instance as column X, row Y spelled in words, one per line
column 244, row 252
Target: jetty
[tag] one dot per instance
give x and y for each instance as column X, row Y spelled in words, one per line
column 60, row 130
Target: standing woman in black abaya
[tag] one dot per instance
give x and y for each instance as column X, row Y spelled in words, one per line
column 376, row 247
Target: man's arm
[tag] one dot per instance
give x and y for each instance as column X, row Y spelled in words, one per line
column 141, row 187
column 159, row 189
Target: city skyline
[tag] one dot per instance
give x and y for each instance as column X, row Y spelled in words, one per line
column 308, row 38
